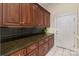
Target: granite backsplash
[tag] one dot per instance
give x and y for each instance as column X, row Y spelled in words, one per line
column 6, row 34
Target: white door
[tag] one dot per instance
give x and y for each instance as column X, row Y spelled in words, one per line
column 65, row 31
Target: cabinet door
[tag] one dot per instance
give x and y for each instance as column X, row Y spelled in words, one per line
column 11, row 14
column 31, row 47
column 26, row 14
column 41, row 18
column 1, row 14
column 51, row 42
column 45, row 48
column 46, row 19
column 35, row 14
column 41, row 50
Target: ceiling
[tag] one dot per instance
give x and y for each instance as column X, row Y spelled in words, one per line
column 48, row 6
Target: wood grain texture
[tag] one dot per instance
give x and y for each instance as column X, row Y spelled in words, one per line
column 1, row 11
column 24, row 14
column 11, row 14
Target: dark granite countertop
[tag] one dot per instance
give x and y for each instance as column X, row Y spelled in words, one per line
column 11, row 46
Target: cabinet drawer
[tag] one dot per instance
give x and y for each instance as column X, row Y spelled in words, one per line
column 46, row 39
column 51, row 37
column 19, row 53
column 31, row 47
column 33, row 53
column 41, row 42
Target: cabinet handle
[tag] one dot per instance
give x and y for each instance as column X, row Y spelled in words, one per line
column 23, row 22
column 39, row 24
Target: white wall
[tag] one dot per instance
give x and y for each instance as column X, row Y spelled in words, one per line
column 78, row 21
column 62, row 9
column 78, row 27
column 56, row 9
column 45, row 5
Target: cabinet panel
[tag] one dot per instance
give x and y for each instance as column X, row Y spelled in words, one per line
column 11, row 14
column 42, row 18
column 26, row 14
column 51, row 41
column 40, row 21
column 35, row 14
column 19, row 53
column 1, row 14
column 41, row 50
column 31, row 47
column 46, row 19
column 45, row 48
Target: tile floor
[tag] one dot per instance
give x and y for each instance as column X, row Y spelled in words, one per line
column 57, row 51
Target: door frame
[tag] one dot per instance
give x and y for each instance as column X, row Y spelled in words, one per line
column 75, row 21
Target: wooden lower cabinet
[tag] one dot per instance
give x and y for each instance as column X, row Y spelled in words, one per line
column 11, row 14
column 23, row 15
column 39, row 48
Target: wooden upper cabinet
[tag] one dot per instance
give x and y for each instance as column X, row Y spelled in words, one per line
column 11, row 14
column 26, row 14
column 38, row 17
column 0, row 14
column 35, row 14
